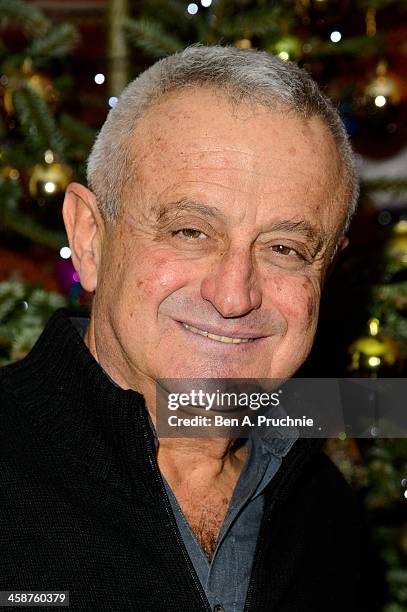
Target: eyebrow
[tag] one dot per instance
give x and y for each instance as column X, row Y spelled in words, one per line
column 307, row 229
column 186, row 205
column 166, row 211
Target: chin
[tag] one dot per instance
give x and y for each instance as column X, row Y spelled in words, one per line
column 213, row 369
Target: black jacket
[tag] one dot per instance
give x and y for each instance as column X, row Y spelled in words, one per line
column 83, row 507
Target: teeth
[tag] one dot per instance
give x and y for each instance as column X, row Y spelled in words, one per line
column 226, row 339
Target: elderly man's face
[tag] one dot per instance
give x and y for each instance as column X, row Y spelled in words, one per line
column 215, row 266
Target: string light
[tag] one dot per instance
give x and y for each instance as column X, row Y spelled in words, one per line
column 374, row 361
column 65, row 252
column 373, row 327
column 335, row 36
column 113, row 100
column 284, row 55
column 206, row 3
column 50, row 187
column 99, row 78
column 380, row 101
column 192, row 8
column 49, row 156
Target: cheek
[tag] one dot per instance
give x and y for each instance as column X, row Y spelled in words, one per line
column 297, row 299
column 156, row 278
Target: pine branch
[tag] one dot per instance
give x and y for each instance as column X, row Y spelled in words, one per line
column 384, row 184
column 170, row 11
column 11, row 294
column 393, row 291
column 24, row 311
column 149, row 36
column 56, row 43
column 26, row 15
column 17, row 156
column 37, row 122
column 25, row 226
column 361, row 46
column 259, row 23
column 76, row 131
column 10, row 194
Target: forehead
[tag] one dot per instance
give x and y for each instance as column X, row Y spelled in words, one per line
column 197, row 140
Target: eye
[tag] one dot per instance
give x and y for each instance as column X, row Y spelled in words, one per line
column 281, row 249
column 189, row 233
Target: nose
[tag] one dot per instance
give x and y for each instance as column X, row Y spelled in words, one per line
column 232, row 285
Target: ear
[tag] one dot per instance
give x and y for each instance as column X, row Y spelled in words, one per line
column 342, row 244
column 85, row 229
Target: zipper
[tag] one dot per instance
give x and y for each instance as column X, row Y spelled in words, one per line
column 157, row 475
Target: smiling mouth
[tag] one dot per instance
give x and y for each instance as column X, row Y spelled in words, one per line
column 225, row 339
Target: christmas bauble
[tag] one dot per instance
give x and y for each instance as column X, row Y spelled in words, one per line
column 373, row 352
column 288, row 47
column 41, row 84
column 243, row 43
column 396, row 247
column 48, row 180
column 378, row 112
column 384, row 88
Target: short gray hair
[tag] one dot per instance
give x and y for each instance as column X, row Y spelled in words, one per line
column 242, row 74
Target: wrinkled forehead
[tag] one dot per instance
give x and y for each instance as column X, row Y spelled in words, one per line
column 190, row 120
column 199, row 134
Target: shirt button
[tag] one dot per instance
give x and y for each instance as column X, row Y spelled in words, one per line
column 218, row 608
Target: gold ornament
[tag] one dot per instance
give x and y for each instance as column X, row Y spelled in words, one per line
column 288, row 47
column 396, row 247
column 8, row 172
column 372, row 352
column 41, row 84
column 49, row 180
column 243, row 43
column 383, row 89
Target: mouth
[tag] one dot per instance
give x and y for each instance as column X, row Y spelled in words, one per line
column 216, row 337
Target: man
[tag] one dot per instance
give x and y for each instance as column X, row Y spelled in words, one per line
column 220, row 190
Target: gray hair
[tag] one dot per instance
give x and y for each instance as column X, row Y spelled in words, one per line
column 242, row 74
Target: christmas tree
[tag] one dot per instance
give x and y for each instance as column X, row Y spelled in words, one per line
column 42, row 148
column 357, row 52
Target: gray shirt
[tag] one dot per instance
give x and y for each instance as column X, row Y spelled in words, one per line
column 225, row 578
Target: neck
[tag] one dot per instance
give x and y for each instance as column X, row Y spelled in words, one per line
column 119, row 370
column 205, row 459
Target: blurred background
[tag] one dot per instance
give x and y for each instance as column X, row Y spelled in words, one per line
column 63, row 64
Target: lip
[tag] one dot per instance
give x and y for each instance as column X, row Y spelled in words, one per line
column 222, row 332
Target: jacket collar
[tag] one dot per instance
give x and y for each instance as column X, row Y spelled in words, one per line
column 68, row 401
